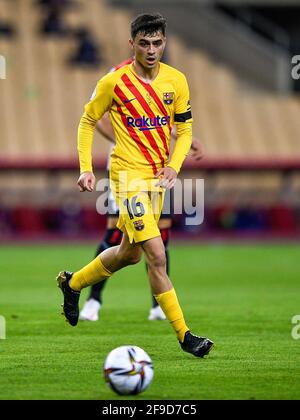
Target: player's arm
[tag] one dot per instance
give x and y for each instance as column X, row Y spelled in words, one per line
column 94, row 110
column 196, row 146
column 168, row 175
column 104, row 127
column 183, row 121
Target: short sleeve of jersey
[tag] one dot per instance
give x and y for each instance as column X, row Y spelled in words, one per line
column 183, row 112
column 101, row 99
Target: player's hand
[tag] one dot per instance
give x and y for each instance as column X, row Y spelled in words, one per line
column 167, row 177
column 86, row 182
column 197, row 149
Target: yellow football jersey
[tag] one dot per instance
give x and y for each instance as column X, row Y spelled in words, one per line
column 142, row 115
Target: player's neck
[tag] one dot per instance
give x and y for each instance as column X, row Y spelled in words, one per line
column 147, row 75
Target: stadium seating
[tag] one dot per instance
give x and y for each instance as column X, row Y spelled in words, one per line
column 234, row 119
column 43, row 98
column 47, row 96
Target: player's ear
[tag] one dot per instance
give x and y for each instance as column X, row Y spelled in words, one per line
column 130, row 42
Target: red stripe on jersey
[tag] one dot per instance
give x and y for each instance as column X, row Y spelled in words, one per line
column 135, row 137
column 152, row 93
column 146, row 108
column 135, row 114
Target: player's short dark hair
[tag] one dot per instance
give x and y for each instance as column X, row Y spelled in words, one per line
column 148, row 24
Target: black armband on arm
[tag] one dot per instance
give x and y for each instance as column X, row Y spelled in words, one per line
column 181, row 118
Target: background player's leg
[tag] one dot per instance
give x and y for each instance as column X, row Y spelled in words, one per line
column 113, row 237
column 92, row 306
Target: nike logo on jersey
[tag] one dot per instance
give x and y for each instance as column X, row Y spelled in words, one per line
column 129, row 100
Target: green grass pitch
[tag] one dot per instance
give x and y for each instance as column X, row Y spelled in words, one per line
column 242, row 297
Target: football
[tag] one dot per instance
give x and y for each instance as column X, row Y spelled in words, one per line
column 128, row 370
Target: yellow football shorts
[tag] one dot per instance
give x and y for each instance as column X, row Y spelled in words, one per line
column 139, row 214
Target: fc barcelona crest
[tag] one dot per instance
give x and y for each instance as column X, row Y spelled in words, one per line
column 139, row 225
column 168, row 98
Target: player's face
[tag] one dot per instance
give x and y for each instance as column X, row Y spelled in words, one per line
column 148, row 49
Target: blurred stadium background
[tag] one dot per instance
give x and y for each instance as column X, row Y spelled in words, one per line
column 237, row 56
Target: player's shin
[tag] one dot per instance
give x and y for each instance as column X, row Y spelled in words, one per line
column 169, row 304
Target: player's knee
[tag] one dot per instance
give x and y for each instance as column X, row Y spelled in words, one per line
column 134, row 259
column 130, row 258
column 157, row 260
